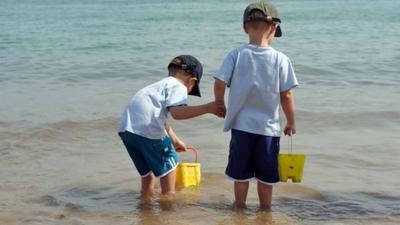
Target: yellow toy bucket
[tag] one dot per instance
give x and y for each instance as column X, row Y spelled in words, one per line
column 291, row 165
column 188, row 174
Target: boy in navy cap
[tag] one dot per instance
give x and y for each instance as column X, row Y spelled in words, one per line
column 149, row 140
column 260, row 80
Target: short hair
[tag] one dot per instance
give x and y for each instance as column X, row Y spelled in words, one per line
column 255, row 23
column 175, row 66
column 173, row 70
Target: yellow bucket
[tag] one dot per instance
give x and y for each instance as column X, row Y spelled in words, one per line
column 291, row 166
column 188, row 174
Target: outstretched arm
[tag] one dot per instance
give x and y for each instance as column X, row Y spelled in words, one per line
column 287, row 102
column 187, row 112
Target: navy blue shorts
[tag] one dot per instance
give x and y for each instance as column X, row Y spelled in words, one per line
column 253, row 155
column 150, row 155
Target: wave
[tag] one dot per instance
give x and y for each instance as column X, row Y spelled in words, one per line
column 353, row 120
column 305, row 119
column 49, row 130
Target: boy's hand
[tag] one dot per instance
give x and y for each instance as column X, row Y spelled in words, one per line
column 221, row 109
column 212, row 108
column 179, row 146
column 289, row 130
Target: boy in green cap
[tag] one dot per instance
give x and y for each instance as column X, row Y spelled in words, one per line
column 260, row 80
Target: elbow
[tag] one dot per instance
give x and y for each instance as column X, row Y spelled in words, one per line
column 176, row 115
column 286, row 95
column 286, row 99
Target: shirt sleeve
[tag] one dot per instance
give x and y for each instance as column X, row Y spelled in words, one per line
column 226, row 70
column 176, row 95
column 287, row 77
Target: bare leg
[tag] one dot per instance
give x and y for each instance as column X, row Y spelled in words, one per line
column 264, row 195
column 241, row 189
column 168, row 183
column 147, row 185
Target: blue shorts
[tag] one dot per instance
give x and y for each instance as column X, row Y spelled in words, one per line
column 150, row 155
column 253, row 155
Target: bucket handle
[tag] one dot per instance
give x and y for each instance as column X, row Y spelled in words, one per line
column 195, row 152
column 290, row 145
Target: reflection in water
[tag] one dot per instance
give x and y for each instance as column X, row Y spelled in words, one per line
column 181, row 209
column 146, row 213
column 160, row 210
column 258, row 217
column 264, row 217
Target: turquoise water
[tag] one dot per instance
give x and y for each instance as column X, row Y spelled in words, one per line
column 340, row 50
column 67, row 68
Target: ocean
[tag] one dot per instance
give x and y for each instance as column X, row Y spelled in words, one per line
column 67, row 69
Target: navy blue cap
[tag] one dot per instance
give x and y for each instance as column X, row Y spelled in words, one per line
column 190, row 65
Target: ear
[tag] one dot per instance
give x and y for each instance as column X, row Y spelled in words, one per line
column 191, row 82
column 274, row 27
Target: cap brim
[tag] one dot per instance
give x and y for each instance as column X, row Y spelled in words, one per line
column 195, row 91
column 278, row 32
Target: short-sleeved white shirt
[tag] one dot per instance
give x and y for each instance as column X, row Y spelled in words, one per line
column 147, row 111
column 256, row 76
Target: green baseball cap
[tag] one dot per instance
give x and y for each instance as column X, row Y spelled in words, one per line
column 262, row 11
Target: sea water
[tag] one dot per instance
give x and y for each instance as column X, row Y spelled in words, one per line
column 67, row 69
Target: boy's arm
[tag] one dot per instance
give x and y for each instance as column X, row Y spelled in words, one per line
column 219, row 92
column 186, row 112
column 178, row 144
column 287, row 102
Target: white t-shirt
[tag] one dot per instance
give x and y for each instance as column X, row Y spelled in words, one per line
column 256, row 76
column 146, row 112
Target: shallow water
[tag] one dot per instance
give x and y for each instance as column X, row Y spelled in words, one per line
column 73, row 176
column 68, row 68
